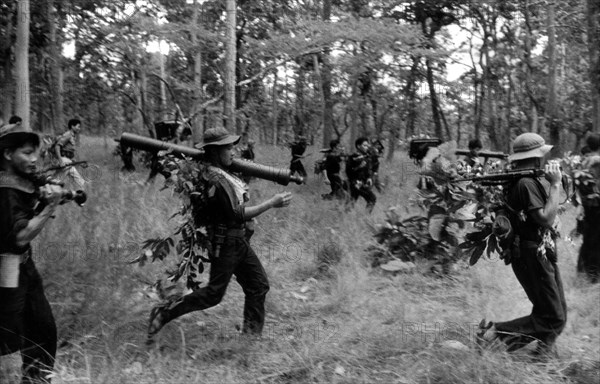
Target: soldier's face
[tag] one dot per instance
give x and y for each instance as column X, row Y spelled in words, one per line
column 225, row 155
column 364, row 147
column 22, row 160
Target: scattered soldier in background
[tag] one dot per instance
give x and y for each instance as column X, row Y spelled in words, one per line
column 589, row 196
column 26, row 321
column 360, row 173
column 298, row 148
column 472, row 158
column 65, row 151
column 15, row 120
column 376, row 150
column 533, row 255
column 248, row 154
column 333, row 166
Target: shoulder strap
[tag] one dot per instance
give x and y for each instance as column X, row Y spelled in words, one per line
column 15, row 182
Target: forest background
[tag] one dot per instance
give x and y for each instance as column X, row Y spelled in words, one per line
column 274, row 69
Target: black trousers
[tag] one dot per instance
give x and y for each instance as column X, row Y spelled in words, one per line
column 589, row 253
column 296, row 166
column 27, row 324
column 335, row 181
column 540, row 278
column 235, row 258
column 365, row 192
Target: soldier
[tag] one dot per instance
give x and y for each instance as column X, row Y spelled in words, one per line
column 232, row 254
column 298, row 148
column 589, row 194
column 376, row 150
column 333, row 162
column 473, row 157
column 15, row 120
column 360, row 173
column 248, row 154
column 65, row 149
column 26, row 320
column 534, row 256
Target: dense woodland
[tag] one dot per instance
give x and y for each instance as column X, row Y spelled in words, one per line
column 325, row 69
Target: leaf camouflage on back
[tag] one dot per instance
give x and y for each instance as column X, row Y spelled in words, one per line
column 190, row 180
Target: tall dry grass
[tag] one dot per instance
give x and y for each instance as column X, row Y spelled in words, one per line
column 344, row 323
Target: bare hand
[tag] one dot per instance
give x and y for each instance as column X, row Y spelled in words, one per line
column 52, row 194
column 553, row 174
column 281, row 200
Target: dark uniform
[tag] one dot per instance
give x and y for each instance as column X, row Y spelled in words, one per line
column 589, row 253
column 333, row 166
column 359, row 172
column 298, row 148
column 376, row 151
column 26, row 321
column 536, row 269
column 231, row 255
column 248, row 154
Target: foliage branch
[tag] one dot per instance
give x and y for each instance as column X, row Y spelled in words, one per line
column 189, row 241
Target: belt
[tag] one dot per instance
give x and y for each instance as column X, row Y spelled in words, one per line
column 235, row 232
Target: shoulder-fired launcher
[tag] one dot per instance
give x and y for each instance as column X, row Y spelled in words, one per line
column 281, row 176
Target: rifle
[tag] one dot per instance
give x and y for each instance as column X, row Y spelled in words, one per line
column 503, row 178
column 486, row 154
column 83, row 163
column 499, row 178
column 247, row 168
column 419, row 147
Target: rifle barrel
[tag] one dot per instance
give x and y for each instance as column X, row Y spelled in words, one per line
column 497, row 155
column 504, row 176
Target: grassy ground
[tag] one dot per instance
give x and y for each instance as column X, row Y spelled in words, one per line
column 350, row 325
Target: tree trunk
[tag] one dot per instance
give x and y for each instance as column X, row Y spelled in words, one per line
column 594, row 50
column 326, row 84
column 56, row 76
column 275, row 109
column 7, row 84
column 434, row 101
column 551, row 106
column 22, row 96
column 230, row 61
column 299, row 123
column 409, row 97
column 198, row 95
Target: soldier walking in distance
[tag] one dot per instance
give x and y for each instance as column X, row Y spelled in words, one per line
column 298, row 148
column 360, row 173
column 227, row 216
column 589, row 195
column 333, row 166
column 65, row 151
column 533, row 257
column 26, row 321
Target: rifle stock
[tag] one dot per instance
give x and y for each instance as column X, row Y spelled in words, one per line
column 281, row 176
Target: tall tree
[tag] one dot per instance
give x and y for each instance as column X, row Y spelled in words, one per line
column 551, row 106
column 231, row 59
column 594, row 49
column 22, row 95
column 56, row 85
column 325, row 76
